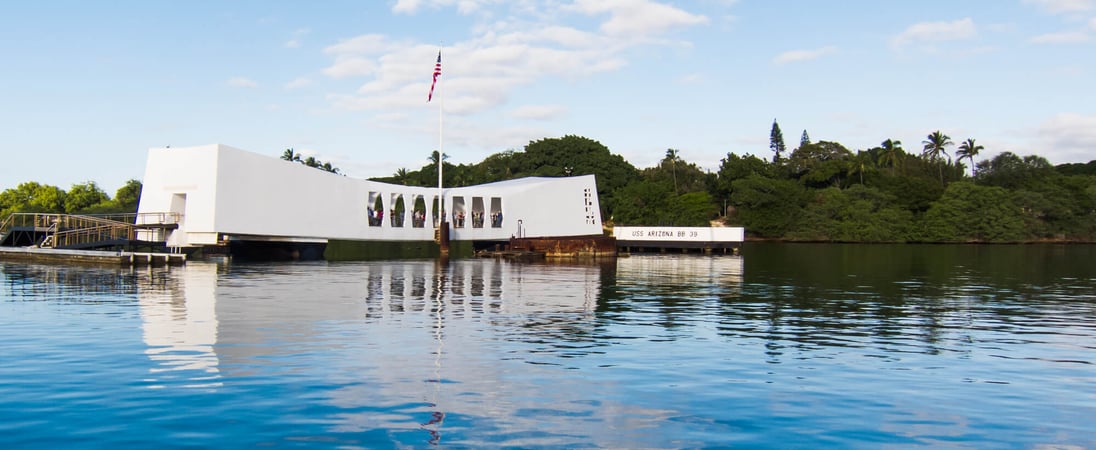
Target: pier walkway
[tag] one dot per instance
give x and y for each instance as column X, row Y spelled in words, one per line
column 77, row 231
column 92, row 239
column 93, row 257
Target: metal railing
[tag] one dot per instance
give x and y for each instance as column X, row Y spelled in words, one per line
column 66, row 230
column 104, row 233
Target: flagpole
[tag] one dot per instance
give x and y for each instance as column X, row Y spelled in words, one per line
column 441, row 157
column 443, row 226
column 441, row 154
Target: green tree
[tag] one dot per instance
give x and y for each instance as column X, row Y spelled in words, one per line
column 549, row 157
column 290, row 155
column 693, row 209
column 671, row 156
column 968, row 150
column 766, row 207
column 126, row 198
column 804, row 139
column 935, row 145
column 860, row 164
column 84, row 196
column 776, row 142
column 1010, row 171
column 890, row 153
column 643, row 203
column 32, row 196
column 971, row 213
column 857, row 214
column 683, row 176
column 735, row 167
column 820, row 164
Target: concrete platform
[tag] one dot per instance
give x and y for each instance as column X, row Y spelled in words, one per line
column 59, row 256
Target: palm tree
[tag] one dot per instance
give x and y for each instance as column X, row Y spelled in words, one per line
column 290, row 155
column 859, row 164
column 968, row 150
column 936, row 144
column 671, row 155
column 891, row 153
column 401, row 176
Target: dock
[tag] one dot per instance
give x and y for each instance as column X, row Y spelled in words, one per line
column 91, row 257
column 706, row 240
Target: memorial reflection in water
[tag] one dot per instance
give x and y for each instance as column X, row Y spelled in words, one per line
column 395, row 332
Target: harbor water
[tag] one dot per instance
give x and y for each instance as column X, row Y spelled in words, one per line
column 786, row 346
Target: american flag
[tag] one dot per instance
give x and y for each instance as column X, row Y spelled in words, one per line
column 437, row 71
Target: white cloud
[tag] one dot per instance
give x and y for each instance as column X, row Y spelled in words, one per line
column 1068, row 137
column 293, row 43
column 803, row 55
column 351, row 67
column 538, row 112
column 1065, row 37
column 512, row 46
column 936, row 32
column 298, row 83
column 1092, row 23
column 407, row 6
column 242, row 82
column 463, row 6
column 1063, row 6
column 369, row 44
column 637, row 17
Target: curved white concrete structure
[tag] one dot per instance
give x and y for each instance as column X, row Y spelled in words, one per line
column 223, row 192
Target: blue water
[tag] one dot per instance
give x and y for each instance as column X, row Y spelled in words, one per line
column 786, row 347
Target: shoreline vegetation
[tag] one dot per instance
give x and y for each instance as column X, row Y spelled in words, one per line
column 817, row 192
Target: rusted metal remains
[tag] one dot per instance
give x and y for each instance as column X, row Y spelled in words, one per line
column 567, row 247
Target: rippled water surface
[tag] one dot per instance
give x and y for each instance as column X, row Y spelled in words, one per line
column 788, row 346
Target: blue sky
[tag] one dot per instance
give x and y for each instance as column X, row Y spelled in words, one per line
column 88, row 87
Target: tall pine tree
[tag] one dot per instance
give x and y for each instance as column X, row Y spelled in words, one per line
column 776, row 142
column 804, row 140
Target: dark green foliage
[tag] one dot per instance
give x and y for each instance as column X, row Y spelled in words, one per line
column 84, row 196
column 1088, row 168
column 644, row 203
column 857, row 214
column 822, row 191
column 971, row 213
column 311, row 161
column 776, row 142
column 914, row 194
column 767, row 207
column 32, row 197
column 1010, row 171
column 821, row 164
column 654, row 203
column 127, row 196
column 550, row 157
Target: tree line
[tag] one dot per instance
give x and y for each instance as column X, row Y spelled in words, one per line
column 819, row 191
column 81, row 198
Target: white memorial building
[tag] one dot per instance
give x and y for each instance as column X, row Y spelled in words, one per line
column 219, row 193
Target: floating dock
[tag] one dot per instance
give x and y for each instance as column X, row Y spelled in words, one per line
column 91, row 257
column 707, row 240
